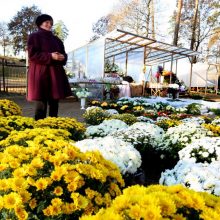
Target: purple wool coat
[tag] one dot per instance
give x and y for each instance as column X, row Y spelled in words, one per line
column 46, row 77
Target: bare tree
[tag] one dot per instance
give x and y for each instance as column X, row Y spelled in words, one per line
column 177, row 22
column 4, row 37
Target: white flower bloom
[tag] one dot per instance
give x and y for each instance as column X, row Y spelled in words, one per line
column 141, row 134
column 196, row 176
column 176, row 138
column 112, row 111
column 105, row 128
column 204, row 150
column 123, row 154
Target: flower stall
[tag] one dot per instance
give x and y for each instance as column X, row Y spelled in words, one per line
column 121, row 53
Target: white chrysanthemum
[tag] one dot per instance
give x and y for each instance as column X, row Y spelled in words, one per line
column 112, row 111
column 196, row 176
column 105, row 128
column 145, row 119
column 194, row 120
column 176, row 138
column 204, row 150
column 141, row 135
column 123, row 154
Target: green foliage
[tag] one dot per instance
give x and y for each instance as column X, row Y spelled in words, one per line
column 129, row 119
column 193, row 109
column 22, row 24
column 60, row 30
column 196, row 96
column 216, row 111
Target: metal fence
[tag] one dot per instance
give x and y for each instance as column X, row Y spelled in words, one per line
column 13, row 78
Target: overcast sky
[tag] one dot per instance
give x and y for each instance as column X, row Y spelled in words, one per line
column 78, row 16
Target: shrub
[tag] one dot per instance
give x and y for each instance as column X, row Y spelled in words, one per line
column 8, row 107
column 75, row 128
column 95, row 115
column 168, row 123
column 105, row 128
column 10, row 123
column 45, row 177
column 129, row 119
column 160, row 202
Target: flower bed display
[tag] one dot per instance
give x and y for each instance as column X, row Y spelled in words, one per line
column 123, row 154
column 160, row 202
column 42, row 176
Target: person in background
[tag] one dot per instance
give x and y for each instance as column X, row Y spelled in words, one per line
column 47, row 80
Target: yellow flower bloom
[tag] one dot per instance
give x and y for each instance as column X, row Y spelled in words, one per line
column 58, row 191
column 25, row 196
column 42, row 183
column 18, row 184
column 4, row 185
column 21, row 213
column 33, row 203
column 104, row 104
column 3, row 167
column 37, row 163
column 56, row 202
column 68, row 208
column 11, row 200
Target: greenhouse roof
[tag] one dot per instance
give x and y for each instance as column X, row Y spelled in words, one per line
column 119, row 42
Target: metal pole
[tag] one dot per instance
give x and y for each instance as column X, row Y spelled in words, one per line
column 190, row 80
column 126, row 64
column 171, row 68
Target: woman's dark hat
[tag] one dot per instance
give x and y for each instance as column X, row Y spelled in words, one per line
column 42, row 18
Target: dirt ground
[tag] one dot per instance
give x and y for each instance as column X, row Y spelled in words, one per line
column 69, row 107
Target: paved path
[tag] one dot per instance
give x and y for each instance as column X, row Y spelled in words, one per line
column 67, row 108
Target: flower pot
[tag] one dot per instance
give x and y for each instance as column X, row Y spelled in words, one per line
column 83, row 102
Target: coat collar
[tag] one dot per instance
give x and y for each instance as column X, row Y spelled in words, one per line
column 45, row 32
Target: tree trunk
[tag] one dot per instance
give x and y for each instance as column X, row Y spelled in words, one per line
column 148, row 18
column 194, row 23
column 177, row 23
column 152, row 19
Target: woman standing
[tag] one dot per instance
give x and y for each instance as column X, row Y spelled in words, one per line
column 47, row 80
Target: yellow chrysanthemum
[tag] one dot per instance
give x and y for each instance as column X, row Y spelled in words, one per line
column 68, row 208
column 33, row 203
column 19, row 172
column 11, row 200
column 4, row 184
column 37, row 162
column 79, row 201
column 25, row 195
column 48, row 211
column 21, row 213
column 56, row 202
column 42, row 183
column 3, row 167
column 18, row 184
column 58, row 191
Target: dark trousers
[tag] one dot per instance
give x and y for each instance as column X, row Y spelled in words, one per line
column 41, row 108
